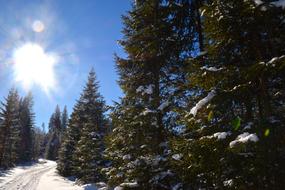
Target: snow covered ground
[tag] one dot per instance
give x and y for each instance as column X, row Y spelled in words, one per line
column 40, row 176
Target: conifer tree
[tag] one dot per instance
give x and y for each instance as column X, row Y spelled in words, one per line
column 10, row 130
column 66, row 162
column 39, row 136
column 88, row 153
column 81, row 150
column 158, row 39
column 26, row 132
column 64, row 119
column 233, row 126
column 55, row 132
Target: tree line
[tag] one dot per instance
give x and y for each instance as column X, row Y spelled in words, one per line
column 19, row 140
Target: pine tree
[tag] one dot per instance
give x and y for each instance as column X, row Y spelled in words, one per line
column 26, row 132
column 64, row 119
column 158, row 38
column 10, row 130
column 55, row 132
column 38, row 143
column 88, row 153
column 66, row 163
column 233, row 127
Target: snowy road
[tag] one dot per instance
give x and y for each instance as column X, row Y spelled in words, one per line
column 41, row 176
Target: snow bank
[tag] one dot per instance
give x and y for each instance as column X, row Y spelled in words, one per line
column 52, row 180
column 202, row 102
column 244, row 138
column 40, row 176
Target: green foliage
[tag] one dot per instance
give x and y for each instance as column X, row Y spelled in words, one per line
column 236, row 123
column 82, row 147
column 54, row 135
column 246, row 72
column 16, row 130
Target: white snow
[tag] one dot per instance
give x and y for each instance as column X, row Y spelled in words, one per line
column 177, row 156
column 127, row 157
column 149, row 89
column 202, row 102
column 147, row 111
column 221, row 135
column 213, row 69
column 258, row 2
column 163, row 106
column 203, row 53
column 203, row 12
column 244, row 138
column 218, row 135
column 280, row 3
column 177, row 186
column 145, row 89
column 40, row 176
column 140, row 89
column 127, row 184
column 248, row 125
column 228, row 183
column 90, row 187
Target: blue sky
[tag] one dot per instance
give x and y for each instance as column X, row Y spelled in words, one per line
column 80, row 33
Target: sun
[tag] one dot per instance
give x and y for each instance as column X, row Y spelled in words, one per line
column 33, row 66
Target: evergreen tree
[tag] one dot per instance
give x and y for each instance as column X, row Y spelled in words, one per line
column 232, row 129
column 38, row 143
column 65, row 164
column 55, row 132
column 88, row 153
column 81, row 151
column 64, row 119
column 10, row 130
column 26, row 132
column 158, row 38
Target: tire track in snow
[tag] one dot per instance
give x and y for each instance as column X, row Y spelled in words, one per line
column 27, row 180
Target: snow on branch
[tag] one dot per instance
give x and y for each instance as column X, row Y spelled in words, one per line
column 221, row 135
column 145, row 89
column 202, row 102
column 280, row 3
column 163, row 105
column 273, row 61
column 127, row 185
column 244, row 138
column 212, row 69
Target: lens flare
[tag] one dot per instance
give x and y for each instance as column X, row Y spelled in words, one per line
column 38, row 26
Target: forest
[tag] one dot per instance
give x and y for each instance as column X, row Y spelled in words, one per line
column 203, row 106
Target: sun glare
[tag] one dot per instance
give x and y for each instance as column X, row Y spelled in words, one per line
column 32, row 66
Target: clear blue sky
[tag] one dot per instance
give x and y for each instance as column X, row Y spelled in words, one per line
column 80, row 33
